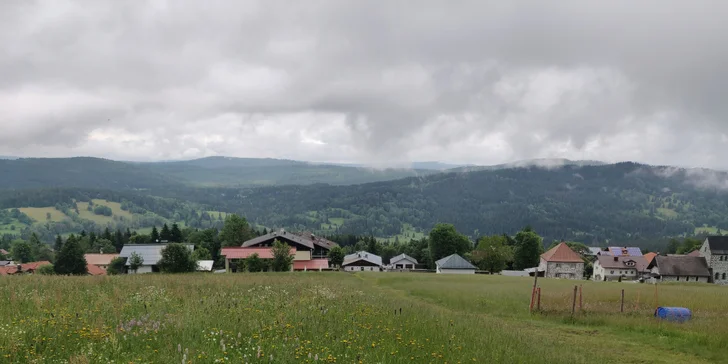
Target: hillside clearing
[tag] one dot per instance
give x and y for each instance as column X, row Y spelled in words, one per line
column 40, row 214
column 115, row 207
column 368, row 318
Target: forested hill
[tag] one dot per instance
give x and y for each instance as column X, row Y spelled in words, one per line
column 82, row 172
column 623, row 202
column 86, row 172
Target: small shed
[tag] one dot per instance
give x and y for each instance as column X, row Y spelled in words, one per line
column 402, row 261
column 454, row 264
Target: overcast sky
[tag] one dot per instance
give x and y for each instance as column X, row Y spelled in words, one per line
column 366, row 81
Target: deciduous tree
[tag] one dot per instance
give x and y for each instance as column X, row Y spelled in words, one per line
column 236, row 231
column 282, row 258
column 253, row 263
column 445, row 240
column 529, row 247
column 492, row 253
column 177, row 258
column 336, row 256
column 135, row 261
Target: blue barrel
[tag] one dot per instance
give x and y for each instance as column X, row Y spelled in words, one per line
column 676, row 314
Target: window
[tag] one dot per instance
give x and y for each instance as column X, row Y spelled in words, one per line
column 696, row 279
column 717, row 276
column 558, row 265
column 362, row 268
column 678, row 278
column 611, row 272
column 723, row 275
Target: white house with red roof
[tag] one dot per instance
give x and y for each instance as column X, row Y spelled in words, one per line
column 561, row 262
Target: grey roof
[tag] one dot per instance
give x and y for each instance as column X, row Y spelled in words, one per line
column 317, row 240
column 151, row 253
column 362, row 255
column 454, row 262
column 718, row 244
column 5, row 262
column 279, row 234
column 681, row 266
column 401, row 257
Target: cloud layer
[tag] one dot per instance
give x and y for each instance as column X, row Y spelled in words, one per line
column 360, row 81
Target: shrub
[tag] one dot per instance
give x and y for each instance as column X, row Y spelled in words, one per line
column 177, row 258
column 46, row 270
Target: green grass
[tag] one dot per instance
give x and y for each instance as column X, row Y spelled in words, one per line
column 40, row 214
column 299, row 317
column 706, row 230
column 669, row 213
column 408, row 232
column 101, row 219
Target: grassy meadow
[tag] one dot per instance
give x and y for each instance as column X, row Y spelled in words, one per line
column 350, row 318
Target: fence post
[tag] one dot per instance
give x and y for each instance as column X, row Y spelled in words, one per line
column 580, row 298
column 621, row 308
column 538, row 304
column 573, row 302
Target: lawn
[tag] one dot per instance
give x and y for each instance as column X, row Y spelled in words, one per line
column 40, row 214
column 350, row 318
column 101, row 219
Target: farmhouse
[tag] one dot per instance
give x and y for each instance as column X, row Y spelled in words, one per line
column 561, row 262
column 608, row 268
column 679, row 269
column 454, row 264
column 100, row 260
column 309, row 251
column 649, row 256
column 403, row 262
column 150, row 253
column 362, row 261
column 715, row 252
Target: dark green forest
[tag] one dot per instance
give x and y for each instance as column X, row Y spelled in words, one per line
column 624, row 203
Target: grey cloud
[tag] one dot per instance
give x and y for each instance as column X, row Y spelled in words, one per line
column 359, row 81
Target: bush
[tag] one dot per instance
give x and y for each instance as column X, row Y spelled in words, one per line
column 46, row 270
column 116, row 266
column 103, row 210
column 177, row 258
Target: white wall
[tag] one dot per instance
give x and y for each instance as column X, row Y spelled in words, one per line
column 302, row 255
column 456, row 271
column 354, row 268
column 142, row 269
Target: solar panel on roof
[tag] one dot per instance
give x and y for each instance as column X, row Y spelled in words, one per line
column 616, row 251
column 635, row 252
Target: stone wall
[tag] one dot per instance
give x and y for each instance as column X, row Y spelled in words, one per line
column 564, row 270
column 718, row 267
column 684, row 279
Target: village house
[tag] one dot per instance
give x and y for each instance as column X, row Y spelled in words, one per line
column 649, row 256
column 362, row 261
column 715, row 252
column 205, row 265
column 22, row 268
column 561, row 262
column 454, row 264
column 150, row 253
column 100, row 260
column 610, row 268
column 681, row 268
column 402, row 262
column 309, row 251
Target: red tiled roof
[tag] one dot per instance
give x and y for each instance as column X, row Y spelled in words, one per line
column 100, row 259
column 31, row 266
column 95, row 270
column 649, row 256
column 313, row 264
column 24, row 267
column 562, row 253
column 8, row 270
column 236, row 252
column 694, row 253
